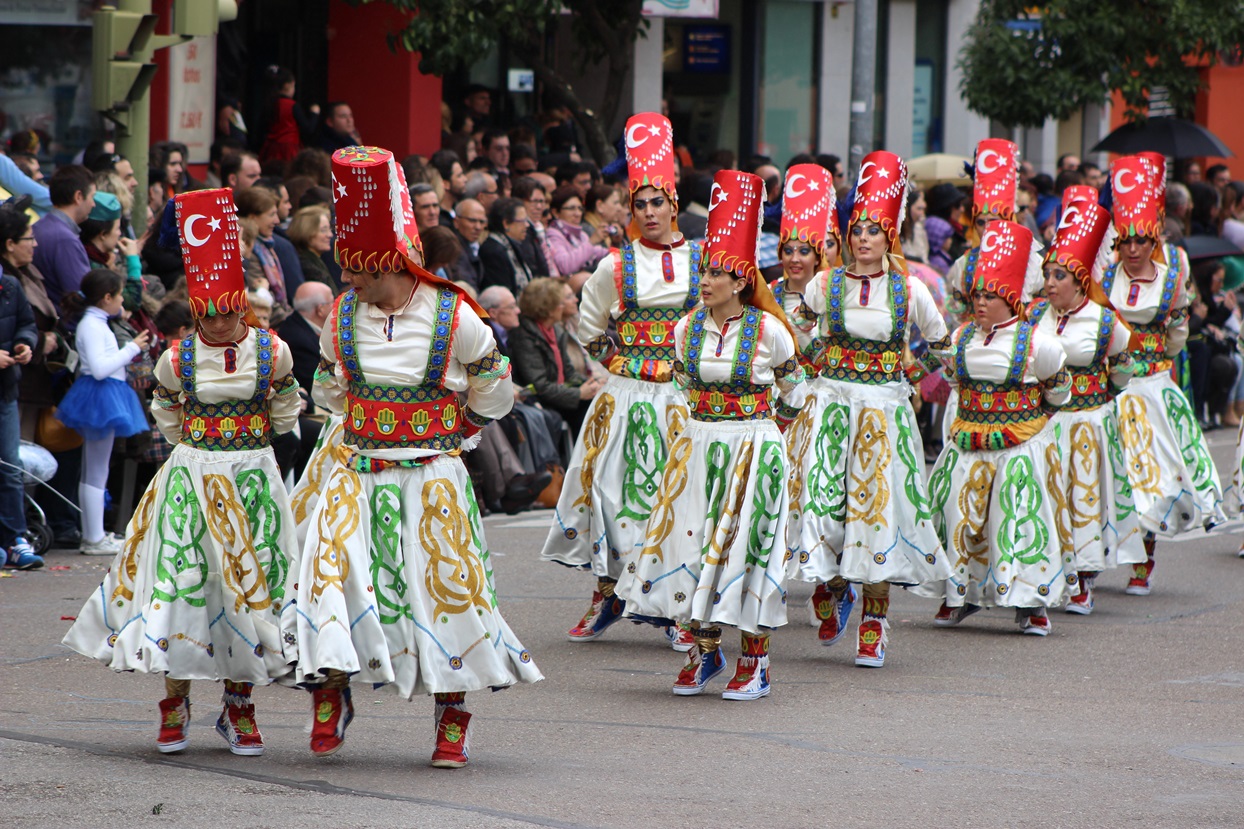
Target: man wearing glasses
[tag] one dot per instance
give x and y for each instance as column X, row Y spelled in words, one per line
column 469, row 222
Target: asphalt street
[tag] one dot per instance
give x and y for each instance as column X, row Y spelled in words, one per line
column 1131, row 717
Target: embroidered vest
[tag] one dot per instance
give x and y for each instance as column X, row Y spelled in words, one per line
column 231, row 424
column 1090, row 385
column 737, row 398
column 856, row 359
column 426, row 416
column 1151, row 335
column 647, row 333
column 997, row 415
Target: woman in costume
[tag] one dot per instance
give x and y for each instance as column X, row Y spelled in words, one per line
column 998, row 488
column 860, row 510
column 715, row 548
column 614, row 473
column 808, row 243
column 1174, row 480
column 1105, row 529
column 396, row 586
column 201, row 587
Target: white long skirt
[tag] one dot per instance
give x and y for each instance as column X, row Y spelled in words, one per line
column 715, row 548
column 1174, row 480
column 1105, row 527
column 1233, row 497
column 203, row 587
column 1005, row 523
column 611, row 485
column 396, row 586
column 859, row 506
column 307, row 490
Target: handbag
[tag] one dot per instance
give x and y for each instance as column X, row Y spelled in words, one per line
column 549, row 495
column 53, row 435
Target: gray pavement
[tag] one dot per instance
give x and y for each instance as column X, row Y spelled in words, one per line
column 1132, row 717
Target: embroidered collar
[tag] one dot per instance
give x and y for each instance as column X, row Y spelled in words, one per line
column 1142, row 280
column 713, row 322
column 1075, row 310
column 1005, row 324
column 682, row 240
column 862, row 277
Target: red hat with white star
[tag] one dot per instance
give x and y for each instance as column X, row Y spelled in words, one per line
column 207, row 223
column 376, row 231
column 809, row 206
column 1081, row 230
column 881, row 193
column 734, row 216
column 1079, row 192
column 1137, row 204
column 1003, row 261
column 1157, row 164
column 650, row 153
column 996, row 178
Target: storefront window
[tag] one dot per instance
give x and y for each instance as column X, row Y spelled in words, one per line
column 788, row 90
column 45, row 85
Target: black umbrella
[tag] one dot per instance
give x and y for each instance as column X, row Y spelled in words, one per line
column 1209, row 247
column 1173, row 137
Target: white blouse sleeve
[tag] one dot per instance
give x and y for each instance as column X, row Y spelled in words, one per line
column 1118, row 358
column 98, row 347
column 600, row 294
column 284, row 402
column 788, row 375
column 490, row 392
column 329, row 389
column 166, row 398
column 1048, row 363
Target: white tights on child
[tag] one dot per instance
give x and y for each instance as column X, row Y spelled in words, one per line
column 96, row 455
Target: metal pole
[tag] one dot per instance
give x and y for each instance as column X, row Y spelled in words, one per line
column 134, row 135
column 863, row 82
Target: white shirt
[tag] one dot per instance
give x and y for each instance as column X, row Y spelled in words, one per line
column 601, row 302
column 1077, row 330
column 213, row 384
column 1143, row 306
column 99, row 355
column 988, row 358
column 772, row 365
column 393, row 351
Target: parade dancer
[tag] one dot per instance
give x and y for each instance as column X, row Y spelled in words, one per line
column 1105, row 529
column 995, row 180
column 715, row 550
column 860, row 510
column 1174, row 480
column 645, row 288
column 202, row 587
column 998, row 488
column 808, row 243
column 396, row 586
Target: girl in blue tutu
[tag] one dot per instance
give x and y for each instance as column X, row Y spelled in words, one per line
column 100, row 405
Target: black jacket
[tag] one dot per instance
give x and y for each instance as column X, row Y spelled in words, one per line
column 17, row 327
column 533, row 363
column 304, row 347
column 494, row 256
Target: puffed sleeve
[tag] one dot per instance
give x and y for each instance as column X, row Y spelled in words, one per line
column 284, row 403
column 329, row 387
column 813, row 304
column 679, row 374
column 96, row 342
column 948, row 358
column 1048, row 363
column 600, row 295
column 166, row 397
column 490, row 392
column 1118, row 357
column 922, row 311
column 1177, row 319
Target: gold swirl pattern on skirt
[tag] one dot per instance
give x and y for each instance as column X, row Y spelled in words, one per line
column 869, row 494
column 1085, row 478
column 317, row 469
column 673, row 482
column 595, row 436
column 728, row 525
column 339, row 519
column 1064, row 510
column 229, row 525
column 127, row 570
column 971, row 541
column 1137, row 436
column 798, row 444
column 455, row 577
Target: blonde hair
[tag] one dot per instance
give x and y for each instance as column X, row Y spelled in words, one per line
column 109, row 182
column 306, row 224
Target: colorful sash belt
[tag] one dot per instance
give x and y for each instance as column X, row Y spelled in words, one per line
column 1089, row 390
column 721, row 401
column 848, row 361
column 997, row 417
column 231, row 425
column 388, row 417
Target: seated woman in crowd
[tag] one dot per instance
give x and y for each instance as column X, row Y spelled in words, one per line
column 311, row 232
column 576, row 248
column 538, row 354
column 504, row 254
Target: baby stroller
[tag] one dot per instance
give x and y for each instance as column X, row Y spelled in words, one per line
column 38, row 467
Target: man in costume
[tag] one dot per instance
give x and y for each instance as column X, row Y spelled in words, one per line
column 397, row 586
column 645, row 287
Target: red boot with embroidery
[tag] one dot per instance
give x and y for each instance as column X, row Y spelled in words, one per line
column 174, row 725
column 236, row 723
column 331, row 711
column 452, row 737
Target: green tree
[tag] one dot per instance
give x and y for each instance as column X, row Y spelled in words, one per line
column 1025, row 62
column 453, row 34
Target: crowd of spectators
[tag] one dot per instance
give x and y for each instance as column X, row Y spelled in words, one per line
column 515, row 216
